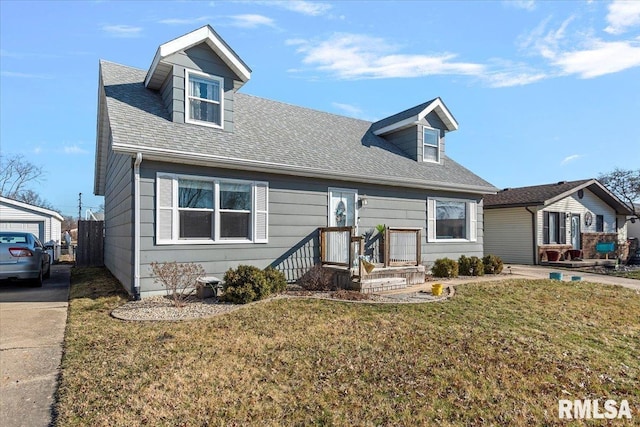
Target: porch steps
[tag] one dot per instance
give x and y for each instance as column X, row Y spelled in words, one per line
column 370, row 286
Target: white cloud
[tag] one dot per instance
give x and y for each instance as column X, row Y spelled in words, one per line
column 581, row 53
column 513, row 78
column 251, row 21
column 310, row 8
column 351, row 110
column 600, row 58
column 521, row 4
column 184, row 21
column 122, row 31
column 353, row 56
column 74, row 149
column 570, row 158
column 25, row 75
column 623, row 15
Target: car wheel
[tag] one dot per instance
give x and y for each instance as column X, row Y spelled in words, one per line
column 37, row 282
column 48, row 273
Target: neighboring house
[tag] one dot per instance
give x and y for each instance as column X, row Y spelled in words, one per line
column 194, row 171
column 521, row 224
column 45, row 224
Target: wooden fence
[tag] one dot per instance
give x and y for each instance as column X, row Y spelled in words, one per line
column 90, row 250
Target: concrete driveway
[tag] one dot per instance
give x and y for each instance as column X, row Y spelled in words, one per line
column 32, row 325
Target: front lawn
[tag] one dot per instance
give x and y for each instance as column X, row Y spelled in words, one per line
column 499, row 353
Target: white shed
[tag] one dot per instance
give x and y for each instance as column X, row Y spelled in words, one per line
column 18, row 216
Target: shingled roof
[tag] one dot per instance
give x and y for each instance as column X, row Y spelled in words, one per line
column 268, row 136
column 542, row 195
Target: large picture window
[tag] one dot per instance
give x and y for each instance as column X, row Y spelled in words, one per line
column 431, row 145
column 204, row 99
column 451, row 220
column 210, row 210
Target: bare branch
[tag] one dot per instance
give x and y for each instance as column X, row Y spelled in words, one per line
column 626, row 185
column 16, row 173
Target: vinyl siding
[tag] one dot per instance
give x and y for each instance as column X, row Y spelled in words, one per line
column 198, row 58
column 410, row 140
column 297, row 208
column 589, row 203
column 118, row 202
column 407, row 140
column 509, row 235
column 48, row 226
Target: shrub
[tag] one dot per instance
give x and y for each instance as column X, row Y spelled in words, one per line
column 472, row 266
column 180, row 280
column 492, row 264
column 318, row 278
column 248, row 283
column 445, row 267
column 276, row 279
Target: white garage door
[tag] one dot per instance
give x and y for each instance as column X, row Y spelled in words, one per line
column 36, row 228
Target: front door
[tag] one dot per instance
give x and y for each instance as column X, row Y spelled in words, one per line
column 575, row 232
column 342, row 213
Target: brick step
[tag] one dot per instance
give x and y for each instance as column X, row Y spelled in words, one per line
column 369, row 286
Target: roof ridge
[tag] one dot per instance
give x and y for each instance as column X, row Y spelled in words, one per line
column 248, row 95
column 119, row 64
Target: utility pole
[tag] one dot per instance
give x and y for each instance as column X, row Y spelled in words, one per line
column 79, row 206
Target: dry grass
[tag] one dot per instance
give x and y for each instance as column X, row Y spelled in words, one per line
column 635, row 274
column 499, row 353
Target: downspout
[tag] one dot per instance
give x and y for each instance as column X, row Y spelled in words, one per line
column 534, row 240
column 136, row 226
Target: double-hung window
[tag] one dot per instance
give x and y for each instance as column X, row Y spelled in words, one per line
column 554, row 229
column 204, row 96
column 451, row 220
column 431, row 145
column 210, row 210
column 195, row 209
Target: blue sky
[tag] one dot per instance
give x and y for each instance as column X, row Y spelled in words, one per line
column 543, row 91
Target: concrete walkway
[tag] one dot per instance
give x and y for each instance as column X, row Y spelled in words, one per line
column 32, row 325
column 514, row 271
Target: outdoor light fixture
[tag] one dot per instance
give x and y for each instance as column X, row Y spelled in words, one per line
column 363, row 201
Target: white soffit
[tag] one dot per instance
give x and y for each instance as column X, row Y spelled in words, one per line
column 201, row 35
column 442, row 112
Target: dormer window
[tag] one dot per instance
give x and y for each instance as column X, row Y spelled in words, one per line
column 204, row 99
column 431, row 145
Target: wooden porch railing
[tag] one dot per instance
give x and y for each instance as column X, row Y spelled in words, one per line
column 335, row 245
column 402, row 246
column 340, row 246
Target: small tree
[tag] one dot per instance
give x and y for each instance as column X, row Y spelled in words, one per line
column 180, row 280
column 625, row 184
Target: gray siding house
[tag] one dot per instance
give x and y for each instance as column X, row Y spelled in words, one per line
column 192, row 170
column 521, row 225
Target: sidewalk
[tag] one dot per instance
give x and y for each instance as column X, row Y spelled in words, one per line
column 32, row 325
column 517, row 271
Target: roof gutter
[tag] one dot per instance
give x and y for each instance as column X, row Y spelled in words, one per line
column 279, row 168
column 136, row 226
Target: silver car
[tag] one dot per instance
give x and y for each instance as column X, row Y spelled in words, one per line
column 23, row 257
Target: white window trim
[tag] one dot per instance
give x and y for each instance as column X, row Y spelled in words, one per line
column 175, row 218
column 437, row 147
column 471, row 220
column 187, row 99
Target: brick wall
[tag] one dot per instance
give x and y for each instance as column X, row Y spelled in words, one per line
column 589, row 241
